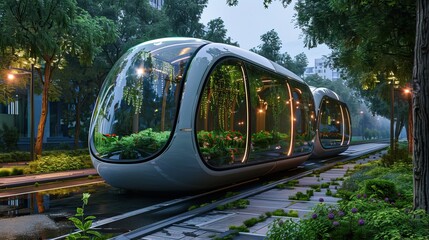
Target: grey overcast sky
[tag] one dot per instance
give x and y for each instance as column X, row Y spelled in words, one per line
column 247, row 21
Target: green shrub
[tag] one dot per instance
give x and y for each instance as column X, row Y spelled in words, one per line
column 17, row 171
column 300, row 196
column 399, row 156
column 380, row 188
column 4, row 173
column 61, row 162
column 359, row 219
column 251, row 222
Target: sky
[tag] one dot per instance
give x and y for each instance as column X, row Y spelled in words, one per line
column 247, row 21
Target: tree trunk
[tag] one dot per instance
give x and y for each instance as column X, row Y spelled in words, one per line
column 421, row 108
column 410, row 126
column 77, row 126
column 400, row 123
column 44, row 113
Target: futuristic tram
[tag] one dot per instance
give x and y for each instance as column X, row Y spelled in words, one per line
column 333, row 129
column 184, row 114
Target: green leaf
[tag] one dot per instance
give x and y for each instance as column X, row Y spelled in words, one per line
column 87, row 225
column 95, row 233
column 90, row 218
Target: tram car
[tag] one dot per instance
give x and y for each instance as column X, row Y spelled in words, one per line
column 333, row 124
column 184, row 114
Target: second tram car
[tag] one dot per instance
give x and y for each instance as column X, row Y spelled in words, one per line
column 333, row 134
column 183, row 114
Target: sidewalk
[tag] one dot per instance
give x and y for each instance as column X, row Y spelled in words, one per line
column 24, row 180
column 217, row 223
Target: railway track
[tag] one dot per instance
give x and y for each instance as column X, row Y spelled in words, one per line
column 175, row 211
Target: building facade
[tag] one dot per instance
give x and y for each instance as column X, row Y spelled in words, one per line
column 322, row 69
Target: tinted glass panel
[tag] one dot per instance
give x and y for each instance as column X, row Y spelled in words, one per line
column 137, row 105
column 334, row 125
column 222, row 116
column 270, row 112
column 304, row 118
column 347, row 125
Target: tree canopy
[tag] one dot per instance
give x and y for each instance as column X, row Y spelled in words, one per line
column 270, row 48
column 43, row 33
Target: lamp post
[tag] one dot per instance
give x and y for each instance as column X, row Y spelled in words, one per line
column 31, row 72
column 392, row 81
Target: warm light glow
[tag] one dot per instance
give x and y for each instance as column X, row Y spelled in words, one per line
column 289, row 152
column 10, row 76
column 407, row 90
column 140, row 71
column 185, row 51
column 261, row 111
column 361, row 112
column 343, row 129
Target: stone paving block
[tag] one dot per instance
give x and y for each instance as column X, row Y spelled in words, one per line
column 224, row 224
column 309, row 181
column 262, row 201
column 301, row 212
column 325, row 199
column 259, row 210
column 263, row 227
column 154, row 237
column 207, row 218
column 167, row 233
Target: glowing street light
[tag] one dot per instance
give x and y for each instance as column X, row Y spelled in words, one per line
column 12, row 76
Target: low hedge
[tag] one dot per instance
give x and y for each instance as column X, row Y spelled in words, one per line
column 59, row 162
column 21, row 156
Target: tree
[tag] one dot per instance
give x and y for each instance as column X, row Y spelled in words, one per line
column 44, row 32
column 270, row 47
column 421, row 108
column 136, row 21
column 297, row 65
column 82, row 84
column 216, row 32
column 184, row 16
column 367, row 38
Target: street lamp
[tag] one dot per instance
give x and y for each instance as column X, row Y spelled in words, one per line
column 31, row 72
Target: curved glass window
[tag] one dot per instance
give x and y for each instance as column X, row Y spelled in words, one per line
column 334, row 123
column 222, row 116
column 271, row 116
column 304, row 120
column 137, row 106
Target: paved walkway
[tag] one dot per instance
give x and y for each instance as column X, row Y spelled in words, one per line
column 22, row 180
column 216, row 223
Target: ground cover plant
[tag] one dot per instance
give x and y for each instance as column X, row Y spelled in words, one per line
column 376, row 204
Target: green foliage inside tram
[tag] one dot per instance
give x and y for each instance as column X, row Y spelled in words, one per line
column 137, row 107
column 280, row 119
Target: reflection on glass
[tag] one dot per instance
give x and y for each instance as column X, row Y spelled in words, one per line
column 334, row 123
column 136, row 109
column 222, row 116
column 304, row 118
column 270, row 105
